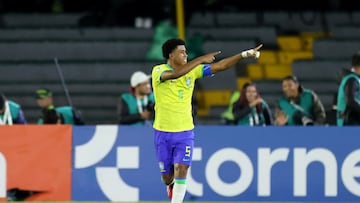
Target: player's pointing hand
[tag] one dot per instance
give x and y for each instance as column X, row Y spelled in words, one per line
column 252, row 52
column 210, row 57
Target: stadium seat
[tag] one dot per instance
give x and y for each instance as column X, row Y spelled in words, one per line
column 76, row 50
column 255, row 71
column 200, row 19
column 236, row 19
column 287, row 57
column 40, row 20
column 290, row 43
column 335, row 49
column 346, row 32
column 258, row 34
column 277, row 71
column 76, row 34
column 268, row 57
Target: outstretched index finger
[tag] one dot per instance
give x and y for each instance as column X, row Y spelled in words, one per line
column 216, row 53
column 258, row 47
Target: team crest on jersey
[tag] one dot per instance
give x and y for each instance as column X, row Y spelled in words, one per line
column 188, row 81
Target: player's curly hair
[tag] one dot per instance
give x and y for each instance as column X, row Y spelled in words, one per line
column 170, row 45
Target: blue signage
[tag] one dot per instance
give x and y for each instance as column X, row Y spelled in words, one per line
column 230, row 163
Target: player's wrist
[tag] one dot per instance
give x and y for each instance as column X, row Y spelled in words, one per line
column 250, row 53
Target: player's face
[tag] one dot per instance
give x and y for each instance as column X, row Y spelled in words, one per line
column 179, row 55
column 290, row 88
column 251, row 93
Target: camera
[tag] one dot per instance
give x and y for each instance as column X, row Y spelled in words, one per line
column 303, row 119
column 150, row 106
column 306, row 121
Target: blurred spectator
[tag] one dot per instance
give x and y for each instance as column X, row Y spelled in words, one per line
column 348, row 101
column 251, row 109
column 298, row 106
column 227, row 117
column 55, row 115
column 10, row 112
column 137, row 106
column 331, row 112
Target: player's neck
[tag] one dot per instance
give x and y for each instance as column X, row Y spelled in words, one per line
column 172, row 65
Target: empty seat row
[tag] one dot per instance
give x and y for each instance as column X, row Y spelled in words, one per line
column 304, row 21
column 41, row 20
column 84, row 72
column 75, row 34
column 319, row 70
column 262, row 34
column 335, row 48
column 211, row 19
column 346, row 32
column 87, row 51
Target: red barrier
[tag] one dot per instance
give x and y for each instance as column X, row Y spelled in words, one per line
column 38, row 158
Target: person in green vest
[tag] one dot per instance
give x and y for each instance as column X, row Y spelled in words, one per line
column 348, row 100
column 298, row 105
column 50, row 114
column 250, row 109
column 10, row 112
column 136, row 107
column 227, row 117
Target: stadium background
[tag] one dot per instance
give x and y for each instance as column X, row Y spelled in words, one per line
column 100, row 43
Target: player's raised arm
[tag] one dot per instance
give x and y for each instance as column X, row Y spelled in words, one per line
column 187, row 67
column 232, row 60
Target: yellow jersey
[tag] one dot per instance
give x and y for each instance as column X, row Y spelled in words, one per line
column 173, row 109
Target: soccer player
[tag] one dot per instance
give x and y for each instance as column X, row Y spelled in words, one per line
column 173, row 85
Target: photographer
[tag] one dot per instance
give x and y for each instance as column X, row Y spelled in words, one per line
column 298, row 106
column 137, row 106
column 348, row 98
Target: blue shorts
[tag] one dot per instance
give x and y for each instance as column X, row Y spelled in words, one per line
column 172, row 148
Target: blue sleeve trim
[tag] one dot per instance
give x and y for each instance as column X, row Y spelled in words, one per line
column 207, row 70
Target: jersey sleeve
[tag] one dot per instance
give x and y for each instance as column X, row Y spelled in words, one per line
column 157, row 72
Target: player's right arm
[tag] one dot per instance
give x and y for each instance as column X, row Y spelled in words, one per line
column 232, row 60
column 180, row 71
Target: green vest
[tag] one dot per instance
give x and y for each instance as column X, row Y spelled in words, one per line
column 132, row 104
column 253, row 118
column 228, row 114
column 341, row 100
column 14, row 110
column 67, row 114
column 306, row 103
